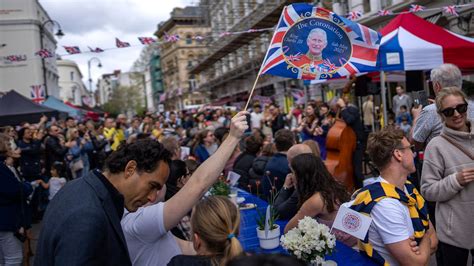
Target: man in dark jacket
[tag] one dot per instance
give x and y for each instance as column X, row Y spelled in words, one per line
column 30, row 160
column 55, row 151
column 82, row 223
column 244, row 161
column 277, row 167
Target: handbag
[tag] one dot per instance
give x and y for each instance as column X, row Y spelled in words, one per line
column 77, row 165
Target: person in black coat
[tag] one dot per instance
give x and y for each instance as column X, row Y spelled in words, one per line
column 351, row 115
column 82, row 223
column 55, row 151
column 13, row 193
column 30, row 161
column 244, row 161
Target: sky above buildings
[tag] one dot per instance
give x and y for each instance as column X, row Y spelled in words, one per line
column 96, row 23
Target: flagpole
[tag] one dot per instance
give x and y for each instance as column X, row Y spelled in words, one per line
column 251, row 91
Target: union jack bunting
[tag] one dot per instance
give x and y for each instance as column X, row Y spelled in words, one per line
column 96, row 50
column 121, row 44
column 354, row 15
column 37, row 94
column 44, row 53
column 385, row 12
column 72, row 49
column 146, row 40
column 198, row 38
column 15, row 58
column 171, row 38
column 451, row 10
column 313, row 43
column 225, row 33
column 416, row 8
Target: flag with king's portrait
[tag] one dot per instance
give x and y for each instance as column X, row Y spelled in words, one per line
column 313, row 43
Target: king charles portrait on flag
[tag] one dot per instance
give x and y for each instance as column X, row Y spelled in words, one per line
column 313, row 43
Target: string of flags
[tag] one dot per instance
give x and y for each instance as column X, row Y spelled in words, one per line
column 171, row 38
column 450, row 10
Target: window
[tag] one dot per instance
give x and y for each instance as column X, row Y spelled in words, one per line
column 189, row 39
column 72, row 75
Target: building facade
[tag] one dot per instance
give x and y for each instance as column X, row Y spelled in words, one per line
column 177, row 58
column 71, row 87
column 25, row 28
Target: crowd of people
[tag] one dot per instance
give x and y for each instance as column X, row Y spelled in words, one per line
column 130, row 190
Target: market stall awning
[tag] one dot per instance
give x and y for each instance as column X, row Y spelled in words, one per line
column 411, row 43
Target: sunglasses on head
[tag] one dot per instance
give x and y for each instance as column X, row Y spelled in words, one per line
column 461, row 108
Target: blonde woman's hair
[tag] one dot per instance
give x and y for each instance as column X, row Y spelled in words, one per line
column 217, row 220
column 314, row 146
column 445, row 92
column 69, row 133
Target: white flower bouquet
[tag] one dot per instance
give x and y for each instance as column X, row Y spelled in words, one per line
column 310, row 241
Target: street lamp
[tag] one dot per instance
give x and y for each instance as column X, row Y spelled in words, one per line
column 58, row 34
column 89, row 69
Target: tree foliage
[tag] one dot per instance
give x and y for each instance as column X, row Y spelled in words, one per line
column 125, row 99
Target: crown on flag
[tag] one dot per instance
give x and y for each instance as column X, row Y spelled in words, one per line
column 121, row 44
column 354, row 15
column 416, row 8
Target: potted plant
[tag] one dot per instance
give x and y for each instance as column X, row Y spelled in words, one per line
column 310, row 241
column 220, row 188
column 268, row 232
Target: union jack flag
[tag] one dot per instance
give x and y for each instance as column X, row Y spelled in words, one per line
column 15, row 58
column 72, row 49
column 361, row 53
column 354, row 15
column 121, row 44
column 451, row 10
column 416, row 8
column 146, row 40
column 37, row 94
column 298, row 96
column 171, row 38
column 44, row 53
column 96, row 50
column 198, row 38
column 384, row 12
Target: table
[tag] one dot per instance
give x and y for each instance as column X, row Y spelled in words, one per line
column 342, row 254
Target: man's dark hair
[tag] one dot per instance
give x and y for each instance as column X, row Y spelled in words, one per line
column 284, row 139
column 69, row 118
column 253, row 144
column 146, row 152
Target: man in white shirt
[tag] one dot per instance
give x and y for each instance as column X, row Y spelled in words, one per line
column 391, row 233
column 147, row 230
column 256, row 117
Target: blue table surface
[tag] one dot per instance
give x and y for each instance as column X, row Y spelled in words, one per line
column 342, row 254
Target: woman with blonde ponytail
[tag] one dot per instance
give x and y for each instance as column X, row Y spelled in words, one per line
column 215, row 223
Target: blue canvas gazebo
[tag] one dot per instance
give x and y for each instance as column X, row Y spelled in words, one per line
column 55, row 103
